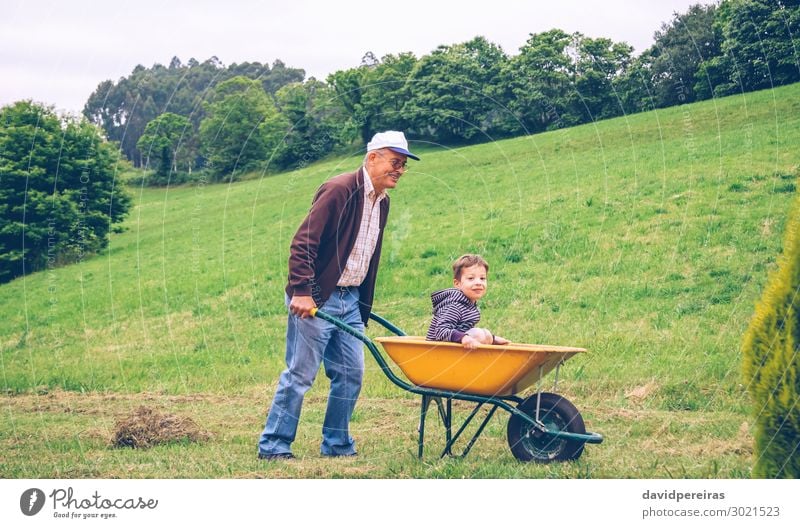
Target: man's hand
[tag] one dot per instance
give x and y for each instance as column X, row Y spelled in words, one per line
column 469, row 342
column 302, row 305
column 500, row 340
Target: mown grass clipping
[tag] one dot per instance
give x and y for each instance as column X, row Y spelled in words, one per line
column 148, row 427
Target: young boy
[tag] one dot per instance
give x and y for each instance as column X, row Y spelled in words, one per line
column 455, row 312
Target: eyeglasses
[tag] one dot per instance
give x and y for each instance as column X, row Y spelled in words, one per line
column 396, row 163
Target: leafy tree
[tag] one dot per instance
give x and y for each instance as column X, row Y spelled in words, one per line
column 598, row 62
column 280, row 75
column 680, row 47
column 560, row 80
column 452, row 92
column 772, row 364
column 634, row 86
column 123, row 109
column 318, row 122
column 677, row 67
column 537, row 80
column 375, row 93
column 761, row 39
column 242, row 128
column 58, row 198
column 386, row 89
column 166, row 143
column 349, row 88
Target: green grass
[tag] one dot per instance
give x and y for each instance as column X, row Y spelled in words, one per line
column 646, row 239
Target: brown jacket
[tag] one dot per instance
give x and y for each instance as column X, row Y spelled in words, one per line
column 323, row 242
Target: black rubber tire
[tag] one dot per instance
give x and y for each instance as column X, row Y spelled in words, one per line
column 556, row 412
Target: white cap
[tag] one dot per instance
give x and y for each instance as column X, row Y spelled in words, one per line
column 393, row 140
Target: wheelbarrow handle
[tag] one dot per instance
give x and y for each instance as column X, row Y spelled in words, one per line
column 372, row 315
column 382, row 363
column 386, row 324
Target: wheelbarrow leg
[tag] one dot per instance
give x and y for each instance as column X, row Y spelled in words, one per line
column 445, row 413
column 426, row 401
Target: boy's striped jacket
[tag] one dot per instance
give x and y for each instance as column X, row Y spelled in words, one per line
column 453, row 315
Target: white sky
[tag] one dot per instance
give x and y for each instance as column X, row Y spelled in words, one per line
column 58, row 51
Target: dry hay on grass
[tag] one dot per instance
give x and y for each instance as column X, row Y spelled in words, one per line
column 147, row 427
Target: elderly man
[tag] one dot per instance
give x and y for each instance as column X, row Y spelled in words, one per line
column 333, row 264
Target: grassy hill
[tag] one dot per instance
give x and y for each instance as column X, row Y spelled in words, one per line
column 645, row 239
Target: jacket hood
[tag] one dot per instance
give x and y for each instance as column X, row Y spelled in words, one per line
column 449, row 296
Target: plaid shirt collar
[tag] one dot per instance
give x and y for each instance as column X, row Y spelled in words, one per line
column 369, row 189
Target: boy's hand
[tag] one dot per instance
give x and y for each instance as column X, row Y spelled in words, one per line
column 470, row 343
column 500, row 340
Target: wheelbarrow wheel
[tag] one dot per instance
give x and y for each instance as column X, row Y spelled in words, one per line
column 528, row 444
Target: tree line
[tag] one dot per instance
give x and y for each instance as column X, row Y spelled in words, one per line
column 228, row 120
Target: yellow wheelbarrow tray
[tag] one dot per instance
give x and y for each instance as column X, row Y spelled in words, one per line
column 544, row 427
column 489, row 370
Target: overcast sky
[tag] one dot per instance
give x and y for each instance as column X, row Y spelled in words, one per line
column 57, row 52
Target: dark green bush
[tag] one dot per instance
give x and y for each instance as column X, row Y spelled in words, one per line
column 59, row 196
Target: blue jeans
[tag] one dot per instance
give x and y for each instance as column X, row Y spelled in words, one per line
column 309, row 342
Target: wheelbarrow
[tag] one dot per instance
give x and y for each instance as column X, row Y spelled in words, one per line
column 543, row 427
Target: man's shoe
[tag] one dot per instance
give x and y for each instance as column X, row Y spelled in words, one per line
column 341, row 456
column 275, row 456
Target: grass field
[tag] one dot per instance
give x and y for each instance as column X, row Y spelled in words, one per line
column 645, row 239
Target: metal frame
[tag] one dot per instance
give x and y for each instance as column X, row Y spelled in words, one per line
column 445, row 411
column 446, row 415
